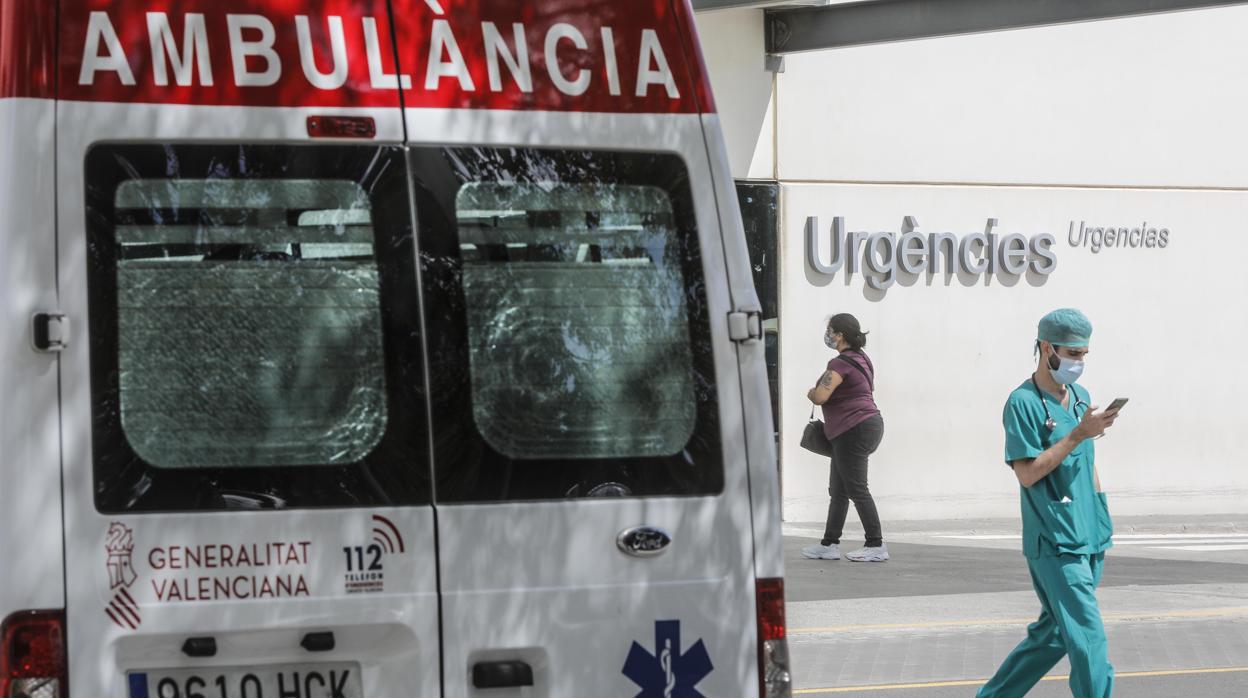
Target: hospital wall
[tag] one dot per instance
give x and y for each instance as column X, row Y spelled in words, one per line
column 1122, row 124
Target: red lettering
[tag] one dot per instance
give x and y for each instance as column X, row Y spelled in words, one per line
column 206, row 588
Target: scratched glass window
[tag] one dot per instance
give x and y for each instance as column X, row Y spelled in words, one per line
column 249, row 322
column 578, row 331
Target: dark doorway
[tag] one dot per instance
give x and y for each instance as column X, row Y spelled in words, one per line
column 759, row 213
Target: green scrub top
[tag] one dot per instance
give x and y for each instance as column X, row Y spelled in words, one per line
column 1062, row 513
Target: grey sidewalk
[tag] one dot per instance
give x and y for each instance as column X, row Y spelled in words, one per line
column 948, row 608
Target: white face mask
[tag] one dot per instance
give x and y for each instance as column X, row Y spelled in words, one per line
column 829, row 338
column 1067, row 371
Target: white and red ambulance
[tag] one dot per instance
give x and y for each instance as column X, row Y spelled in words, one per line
column 376, row 348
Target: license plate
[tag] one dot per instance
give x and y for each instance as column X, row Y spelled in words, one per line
column 330, row 680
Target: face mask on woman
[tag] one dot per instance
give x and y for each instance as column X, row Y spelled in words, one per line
column 1066, row 371
column 829, row 338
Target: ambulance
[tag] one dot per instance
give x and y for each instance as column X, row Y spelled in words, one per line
column 377, row 348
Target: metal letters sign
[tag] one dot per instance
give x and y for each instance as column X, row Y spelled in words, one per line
column 882, row 257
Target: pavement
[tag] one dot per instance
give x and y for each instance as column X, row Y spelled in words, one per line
column 937, row 619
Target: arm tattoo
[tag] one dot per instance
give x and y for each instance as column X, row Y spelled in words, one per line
column 826, row 379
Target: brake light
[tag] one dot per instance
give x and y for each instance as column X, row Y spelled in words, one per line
column 342, row 127
column 774, row 679
column 32, row 655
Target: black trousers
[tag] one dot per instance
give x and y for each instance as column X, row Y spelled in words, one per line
column 848, row 482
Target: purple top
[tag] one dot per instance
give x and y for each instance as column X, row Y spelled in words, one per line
column 851, row 403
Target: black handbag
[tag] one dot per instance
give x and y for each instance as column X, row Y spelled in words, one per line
column 813, row 438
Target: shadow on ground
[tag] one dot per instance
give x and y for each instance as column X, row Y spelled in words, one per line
column 924, row 570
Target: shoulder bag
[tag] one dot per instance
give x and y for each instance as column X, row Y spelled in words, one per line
column 813, row 437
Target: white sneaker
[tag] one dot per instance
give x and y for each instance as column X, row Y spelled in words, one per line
column 822, row 552
column 879, row 554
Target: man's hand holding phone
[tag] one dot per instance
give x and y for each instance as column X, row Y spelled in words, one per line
column 1093, row 423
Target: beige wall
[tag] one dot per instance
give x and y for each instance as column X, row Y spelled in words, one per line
column 732, row 43
column 1113, row 123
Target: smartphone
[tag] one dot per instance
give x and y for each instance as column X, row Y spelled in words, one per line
column 1116, row 404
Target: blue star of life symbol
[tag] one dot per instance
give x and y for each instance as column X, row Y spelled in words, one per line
column 667, row 673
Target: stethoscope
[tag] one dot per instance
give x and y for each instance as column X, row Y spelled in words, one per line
column 1049, row 422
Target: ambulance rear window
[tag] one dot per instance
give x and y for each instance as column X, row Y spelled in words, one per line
column 578, row 332
column 249, row 327
column 239, row 324
column 570, row 345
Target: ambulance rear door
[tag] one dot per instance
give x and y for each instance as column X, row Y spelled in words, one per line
column 591, row 488
column 246, row 471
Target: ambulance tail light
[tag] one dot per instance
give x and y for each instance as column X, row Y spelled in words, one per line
column 32, row 655
column 774, row 679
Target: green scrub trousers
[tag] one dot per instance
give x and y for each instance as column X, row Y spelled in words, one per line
column 1066, row 530
column 1069, row 625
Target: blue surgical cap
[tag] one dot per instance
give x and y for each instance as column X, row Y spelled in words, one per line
column 1065, row 327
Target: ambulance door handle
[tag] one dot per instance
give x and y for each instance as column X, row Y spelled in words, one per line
column 200, row 647
column 504, row 674
column 49, row 332
column 318, row 642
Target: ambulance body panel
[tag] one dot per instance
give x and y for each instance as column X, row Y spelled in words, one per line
column 371, row 315
column 29, row 421
column 561, row 562
column 299, row 577
column 755, row 392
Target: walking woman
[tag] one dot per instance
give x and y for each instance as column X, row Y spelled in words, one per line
column 853, row 425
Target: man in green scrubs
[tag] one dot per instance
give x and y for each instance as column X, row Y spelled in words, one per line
column 1049, row 427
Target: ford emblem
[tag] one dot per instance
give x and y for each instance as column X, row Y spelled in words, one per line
column 643, row 541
